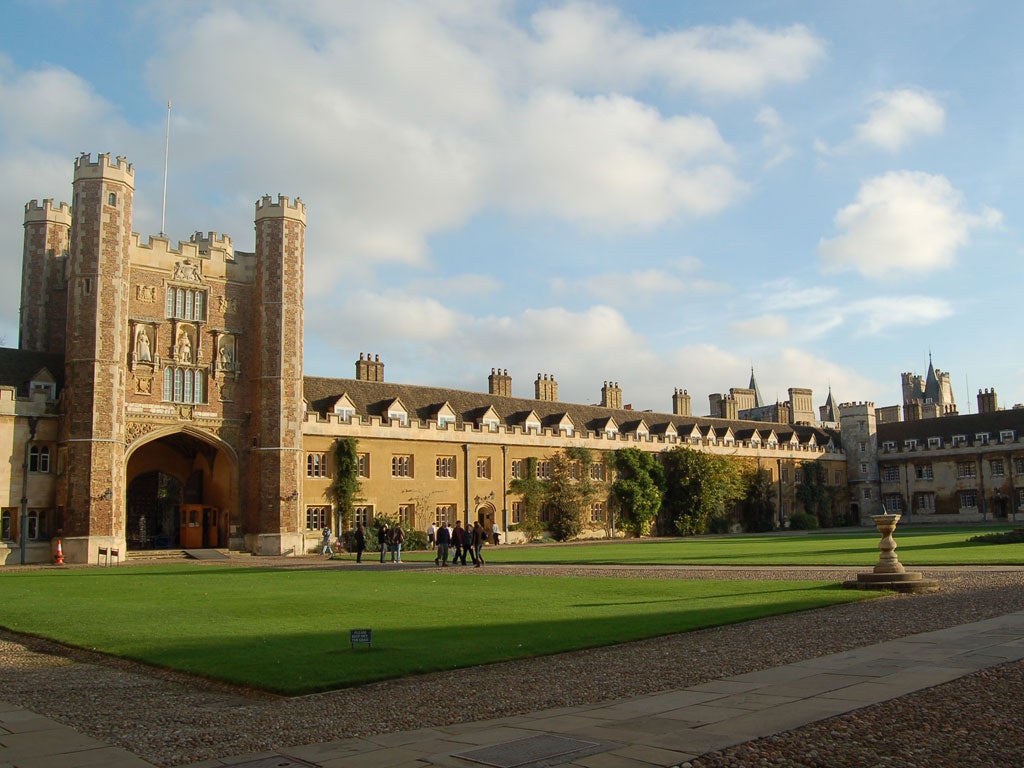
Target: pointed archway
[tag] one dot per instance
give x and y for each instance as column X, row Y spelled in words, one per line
column 182, row 491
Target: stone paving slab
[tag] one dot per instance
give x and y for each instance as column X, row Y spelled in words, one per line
column 663, row 729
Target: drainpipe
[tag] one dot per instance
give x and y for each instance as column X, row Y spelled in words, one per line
column 33, row 422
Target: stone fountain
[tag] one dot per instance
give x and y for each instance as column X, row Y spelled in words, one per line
column 890, row 573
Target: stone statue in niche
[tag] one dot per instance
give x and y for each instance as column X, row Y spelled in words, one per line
column 227, row 354
column 143, row 345
column 184, row 347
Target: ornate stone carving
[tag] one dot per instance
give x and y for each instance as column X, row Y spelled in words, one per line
column 146, row 293
column 133, row 430
column 187, row 271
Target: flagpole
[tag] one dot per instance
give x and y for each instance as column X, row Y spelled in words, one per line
column 167, row 148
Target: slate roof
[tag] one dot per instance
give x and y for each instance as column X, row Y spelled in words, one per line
column 371, row 398
column 18, row 366
column 946, row 427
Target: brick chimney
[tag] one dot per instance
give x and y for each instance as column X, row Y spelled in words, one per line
column 545, row 388
column 499, row 383
column 611, row 395
column 369, row 369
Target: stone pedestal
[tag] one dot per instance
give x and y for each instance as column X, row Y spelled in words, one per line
column 889, row 573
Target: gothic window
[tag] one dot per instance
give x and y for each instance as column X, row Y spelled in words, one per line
column 544, row 470
column 112, row 199
column 407, row 515
column 184, row 385
column 6, row 523
column 517, row 469
column 186, row 303
column 316, row 465
column 363, row 465
column 597, row 512
column 445, row 466
column 401, row 466
column 597, row 471
column 39, row 459
column 318, row 517
column 483, row 469
column 363, row 514
column 443, row 514
column 517, row 512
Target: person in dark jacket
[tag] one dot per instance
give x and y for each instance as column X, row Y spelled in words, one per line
column 359, row 539
column 457, row 542
column 443, row 538
column 479, row 536
column 382, row 539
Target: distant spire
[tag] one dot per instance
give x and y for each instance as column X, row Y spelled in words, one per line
column 758, row 402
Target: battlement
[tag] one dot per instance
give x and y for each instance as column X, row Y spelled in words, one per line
column 119, row 170
column 214, row 241
column 34, row 212
column 283, row 208
column 858, row 404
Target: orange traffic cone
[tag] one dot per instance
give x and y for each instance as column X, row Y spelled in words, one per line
column 59, row 557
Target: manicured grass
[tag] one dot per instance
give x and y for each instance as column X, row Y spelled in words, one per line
column 287, row 630
column 916, row 547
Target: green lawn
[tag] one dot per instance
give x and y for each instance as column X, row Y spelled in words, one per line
column 287, row 630
column 916, row 547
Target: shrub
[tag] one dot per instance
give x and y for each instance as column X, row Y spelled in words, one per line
column 802, row 521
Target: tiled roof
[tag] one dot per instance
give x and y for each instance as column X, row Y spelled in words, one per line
column 947, row 426
column 18, row 366
column 371, row 398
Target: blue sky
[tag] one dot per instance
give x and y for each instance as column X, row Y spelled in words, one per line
column 658, row 194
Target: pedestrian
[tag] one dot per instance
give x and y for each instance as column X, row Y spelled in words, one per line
column 457, row 540
column 479, row 536
column 496, row 533
column 382, row 538
column 467, row 543
column 327, row 543
column 431, row 533
column 360, row 542
column 397, row 539
column 444, row 539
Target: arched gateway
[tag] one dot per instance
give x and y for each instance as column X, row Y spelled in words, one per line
column 182, row 491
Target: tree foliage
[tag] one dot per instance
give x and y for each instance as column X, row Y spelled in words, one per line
column 817, row 496
column 532, row 493
column 758, row 508
column 570, row 492
column 344, row 488
column 638, row 489
column 699, row 486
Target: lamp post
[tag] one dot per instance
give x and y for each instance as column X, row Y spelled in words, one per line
column 33, row 422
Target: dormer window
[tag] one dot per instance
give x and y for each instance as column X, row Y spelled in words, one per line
column 910, row 445
column 981, row 438
column 934, row 442
column 889, row 445
column 1006, row 436
column 444, row 419
column 959, row 441
column 401, row 416
column 48, row 388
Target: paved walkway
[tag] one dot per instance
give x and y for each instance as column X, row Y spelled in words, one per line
column 665, row 729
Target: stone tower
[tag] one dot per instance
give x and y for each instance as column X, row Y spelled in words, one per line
column 43, row 283
column 276, row 470
column 91, row 490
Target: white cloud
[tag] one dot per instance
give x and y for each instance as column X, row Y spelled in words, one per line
column 775, row 137
column 882, row 313
column 627, row 288
column 763, row 327
column 589, row 46
column 903, row 222
column 613, row 162
column 898, row 117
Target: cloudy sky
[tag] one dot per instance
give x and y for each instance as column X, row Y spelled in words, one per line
column 659, row 194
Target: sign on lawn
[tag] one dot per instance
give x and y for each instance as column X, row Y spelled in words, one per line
column 360, row 636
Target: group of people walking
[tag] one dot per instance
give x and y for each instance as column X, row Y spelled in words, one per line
column 458, row 541
column 461, row 542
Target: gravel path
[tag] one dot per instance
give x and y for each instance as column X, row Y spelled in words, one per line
column 171, row 719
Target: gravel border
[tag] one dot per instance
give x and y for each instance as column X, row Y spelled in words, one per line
column 173, row 719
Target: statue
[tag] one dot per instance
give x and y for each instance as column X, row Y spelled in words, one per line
column 143, row 351
column 184, row 347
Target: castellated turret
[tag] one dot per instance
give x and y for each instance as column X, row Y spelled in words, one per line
column 276, row 472
column 92, row 488
column 44, row 280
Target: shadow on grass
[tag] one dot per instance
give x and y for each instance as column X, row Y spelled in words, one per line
column 290, row 662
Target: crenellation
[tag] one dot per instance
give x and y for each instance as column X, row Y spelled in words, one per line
column 120, row 168
column 283, row 208
column 48, row 212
